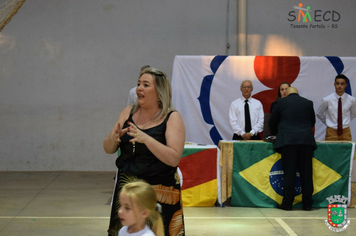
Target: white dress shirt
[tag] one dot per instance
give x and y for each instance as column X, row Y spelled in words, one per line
column 327, row 111
column 131, row 99
column 237, row 116
column 145, row 232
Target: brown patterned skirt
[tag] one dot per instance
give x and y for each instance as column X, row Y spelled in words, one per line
column 168, row 196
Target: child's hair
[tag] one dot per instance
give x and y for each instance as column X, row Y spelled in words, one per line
column 145, row 197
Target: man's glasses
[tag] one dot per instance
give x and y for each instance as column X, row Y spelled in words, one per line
column 246, row 87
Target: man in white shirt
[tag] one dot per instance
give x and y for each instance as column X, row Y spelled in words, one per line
column 243, row 107
column 132, row 97
column 328, row 111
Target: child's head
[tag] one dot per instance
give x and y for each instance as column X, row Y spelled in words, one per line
column 138, row 203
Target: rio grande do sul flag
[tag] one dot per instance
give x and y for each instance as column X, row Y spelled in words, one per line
column 257, row 179
column 198, row 168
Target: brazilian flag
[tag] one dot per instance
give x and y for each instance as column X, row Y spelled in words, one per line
column 257, row 179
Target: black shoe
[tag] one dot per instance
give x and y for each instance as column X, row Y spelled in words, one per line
column 307, row 208
column 284, row 208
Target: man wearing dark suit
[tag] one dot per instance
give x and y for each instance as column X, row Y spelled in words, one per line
column 292, row 119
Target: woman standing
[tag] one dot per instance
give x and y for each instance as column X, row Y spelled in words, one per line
column 151, row 136
column 282, row 92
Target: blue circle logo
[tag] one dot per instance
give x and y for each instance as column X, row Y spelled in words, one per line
column 276, row 179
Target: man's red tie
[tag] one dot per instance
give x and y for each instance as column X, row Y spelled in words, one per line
column 339, row 118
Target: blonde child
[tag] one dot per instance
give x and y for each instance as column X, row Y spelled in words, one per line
column 138, row 209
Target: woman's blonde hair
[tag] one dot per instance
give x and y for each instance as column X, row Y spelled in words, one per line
column 164, row 92
column 145, row 197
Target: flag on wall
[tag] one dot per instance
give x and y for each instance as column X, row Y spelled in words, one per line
column 199, row 176
column 258, row 176
column 205, row 86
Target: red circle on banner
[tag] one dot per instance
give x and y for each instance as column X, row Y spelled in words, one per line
column 271, row 71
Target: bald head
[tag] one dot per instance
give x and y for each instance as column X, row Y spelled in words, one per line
column 292, row 90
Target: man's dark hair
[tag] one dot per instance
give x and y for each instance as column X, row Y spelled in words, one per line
column 341, row 76
column 145, row 67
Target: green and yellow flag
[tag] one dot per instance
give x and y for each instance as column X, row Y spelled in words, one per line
column 257, row 179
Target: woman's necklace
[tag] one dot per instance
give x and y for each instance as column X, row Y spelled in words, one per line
column 147, row 122
column 142, row 126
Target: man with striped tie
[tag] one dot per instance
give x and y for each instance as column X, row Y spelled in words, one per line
column 337, row 111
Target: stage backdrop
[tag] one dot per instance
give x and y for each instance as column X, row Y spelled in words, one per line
column 205, row 86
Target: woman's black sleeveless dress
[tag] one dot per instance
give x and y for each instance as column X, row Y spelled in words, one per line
column 142, row 164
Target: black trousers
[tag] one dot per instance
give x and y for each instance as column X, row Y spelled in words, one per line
column 238, row 137
column 300, row 156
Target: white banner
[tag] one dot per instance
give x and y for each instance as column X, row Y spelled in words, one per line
column 204, row 87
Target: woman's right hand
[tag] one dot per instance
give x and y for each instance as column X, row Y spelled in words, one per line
column 115, row 134
column 113, row 140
